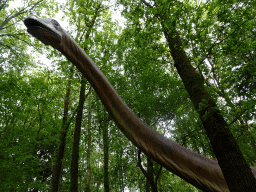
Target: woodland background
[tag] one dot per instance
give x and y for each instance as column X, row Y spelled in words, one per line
column 39, row 99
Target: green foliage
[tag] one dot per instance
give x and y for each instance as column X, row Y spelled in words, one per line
column 218, row 36
column 29, row 120
column 14, row 41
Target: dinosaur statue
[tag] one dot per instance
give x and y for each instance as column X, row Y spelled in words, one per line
column 196, row 169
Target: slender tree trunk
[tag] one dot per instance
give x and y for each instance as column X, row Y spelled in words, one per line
column 151, row 180
column 88, row 172
column 63, row 133
column 105, row 146
column 151, row 177
column 75, row 153
column 236, row 171
column 150, row 172
column 147, row 185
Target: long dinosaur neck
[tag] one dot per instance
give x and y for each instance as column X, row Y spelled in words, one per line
column 196, row 169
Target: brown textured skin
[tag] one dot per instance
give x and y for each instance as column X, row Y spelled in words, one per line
column 200, row 171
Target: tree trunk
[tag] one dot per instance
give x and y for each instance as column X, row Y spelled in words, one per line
column 236, row 171
column 75, row 153
column 63, row 134
column 89, row 142
column 105, row 146
column 150, row 172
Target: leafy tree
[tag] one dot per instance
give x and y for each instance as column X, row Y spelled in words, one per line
column 218, row 39
column 186, row 28
column 28, row 128
column 14, row 40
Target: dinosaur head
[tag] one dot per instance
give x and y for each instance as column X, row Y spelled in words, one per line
column 46, row 30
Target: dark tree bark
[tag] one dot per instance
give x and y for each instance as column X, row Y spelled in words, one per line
column 74, row 186
column 89, row 142
column 147, row 185
column 75, row 153
column 106, row 155
column 151, row 177
column 150, row 172
column 236, row 171
column 63, row 134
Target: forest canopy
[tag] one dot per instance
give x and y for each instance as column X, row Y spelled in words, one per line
column 46, row 103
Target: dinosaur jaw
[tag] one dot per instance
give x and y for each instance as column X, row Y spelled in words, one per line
column 43, row 30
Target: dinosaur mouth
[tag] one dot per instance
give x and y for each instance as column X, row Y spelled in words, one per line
column 42, row 32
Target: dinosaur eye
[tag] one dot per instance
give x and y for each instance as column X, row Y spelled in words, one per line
column 55, row 22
